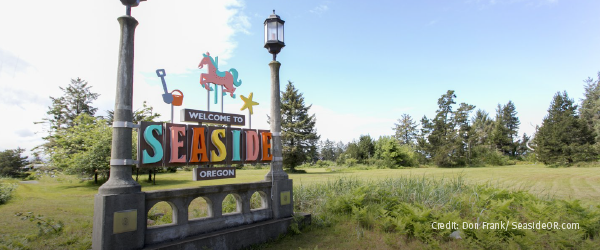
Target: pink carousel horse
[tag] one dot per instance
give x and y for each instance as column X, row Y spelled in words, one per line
column 227, row 79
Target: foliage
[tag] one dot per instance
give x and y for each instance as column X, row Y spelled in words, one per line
column 405, row 130
column 407, row 207
column 506, row 126
column 590, row 105
column 563, row 138
column 327, row 150
column 83, row 148
column 393, row 154
column 11, row 162
column 6, row 191
column 76, row 100
column 299, row 135
column 45, row 225
column 483, row 155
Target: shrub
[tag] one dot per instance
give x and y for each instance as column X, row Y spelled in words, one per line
column 6, row 192
column 483, row 155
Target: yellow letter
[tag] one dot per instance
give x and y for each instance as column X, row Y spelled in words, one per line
column 216, row 141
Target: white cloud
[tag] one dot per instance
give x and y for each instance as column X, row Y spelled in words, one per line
column 55, row 42
column 319, row 9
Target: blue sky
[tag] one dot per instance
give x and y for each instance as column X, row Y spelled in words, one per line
column 361, row 64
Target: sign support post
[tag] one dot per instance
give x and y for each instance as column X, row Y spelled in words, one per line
column 119, row 206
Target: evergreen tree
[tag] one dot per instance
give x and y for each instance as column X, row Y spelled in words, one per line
column 328, row 150
column 405, row 130
column 299, row 135
column 443, row 137
column 424, row 149
column 563, row 138
column 76, row 100
column 366, row 148
column 506, row 127
column 464, row 132
column 482, row 127
column 590, row 105
column 11, row 162
column 509, row 114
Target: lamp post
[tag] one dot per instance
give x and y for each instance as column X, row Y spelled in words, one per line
column 119, row 208
column 273, row 43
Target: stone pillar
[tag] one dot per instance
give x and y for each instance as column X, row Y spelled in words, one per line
column 282, row 194
column 119, row 212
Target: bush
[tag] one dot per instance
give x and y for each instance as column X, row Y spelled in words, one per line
column 483, row 155
column 6, row 191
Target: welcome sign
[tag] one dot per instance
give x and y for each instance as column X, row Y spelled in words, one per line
column 170, row 144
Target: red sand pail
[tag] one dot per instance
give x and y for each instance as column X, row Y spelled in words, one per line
column 177, row 97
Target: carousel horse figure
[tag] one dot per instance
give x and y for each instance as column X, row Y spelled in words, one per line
column 227, row 79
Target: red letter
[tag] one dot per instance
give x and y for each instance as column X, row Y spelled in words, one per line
column 251, row 145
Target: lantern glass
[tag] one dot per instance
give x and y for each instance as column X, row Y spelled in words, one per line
column 266, row 34
column 272, row 31
column 280, row 32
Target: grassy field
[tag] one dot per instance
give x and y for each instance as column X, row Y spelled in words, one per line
column 69, row 200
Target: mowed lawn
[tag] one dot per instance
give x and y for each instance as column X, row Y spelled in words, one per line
column 66, row 199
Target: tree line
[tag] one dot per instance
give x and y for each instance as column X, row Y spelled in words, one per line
column 459, row 135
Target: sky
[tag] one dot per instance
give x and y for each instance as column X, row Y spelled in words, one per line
column 360, row 64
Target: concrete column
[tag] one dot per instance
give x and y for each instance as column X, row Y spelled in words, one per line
column 282, row 190
column 120, row 181
column 119, row 206
column 276, row 172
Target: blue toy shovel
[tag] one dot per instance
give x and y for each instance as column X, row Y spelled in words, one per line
column 167, row 97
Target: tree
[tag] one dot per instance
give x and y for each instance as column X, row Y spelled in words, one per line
column 366, row 148
column 464, row 130
column 443, row 137
column 328, row 150
column 506, row 128
column 482, row 128
column 405, row 130
column 590, row 105
column 299, row 135
column 11, row 162
column 76, row 99
column 84, row 148
column 393, row 154
column 564, row 138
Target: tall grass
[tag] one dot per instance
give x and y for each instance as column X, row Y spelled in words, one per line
column 408, row 206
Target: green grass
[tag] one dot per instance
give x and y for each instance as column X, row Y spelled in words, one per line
column 66, row 199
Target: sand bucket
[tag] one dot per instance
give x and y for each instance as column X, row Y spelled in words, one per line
column 177, row 97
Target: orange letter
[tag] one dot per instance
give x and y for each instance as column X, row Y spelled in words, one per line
column 266, row 145
column 198, row 145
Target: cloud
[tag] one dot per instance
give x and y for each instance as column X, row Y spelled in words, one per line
column 43, row 51
column 319, row 9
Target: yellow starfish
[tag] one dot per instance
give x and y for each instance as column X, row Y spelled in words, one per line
column 248, row 103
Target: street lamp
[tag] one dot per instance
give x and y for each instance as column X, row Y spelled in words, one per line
column 274, row 43
column 274, row 34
